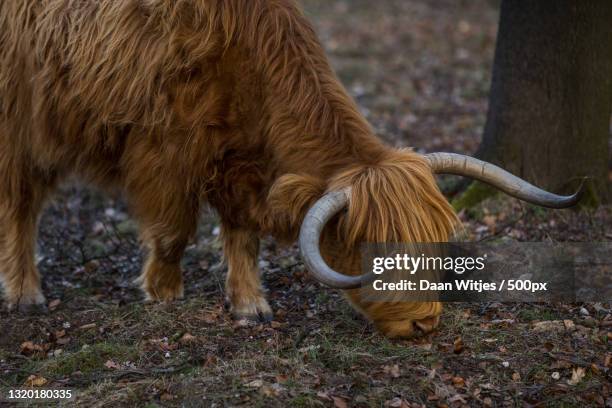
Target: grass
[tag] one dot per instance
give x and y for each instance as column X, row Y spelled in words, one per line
column 86, row 364
column 89, row 360
column 263, row 366
column 537, row 314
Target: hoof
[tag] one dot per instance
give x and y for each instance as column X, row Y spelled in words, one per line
column 155, row 292
column 33, row 309
column 255, row 310
column 161, row 282
column 29, row 305
column 163, row 295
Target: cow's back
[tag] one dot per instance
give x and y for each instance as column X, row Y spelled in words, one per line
column 79, row 78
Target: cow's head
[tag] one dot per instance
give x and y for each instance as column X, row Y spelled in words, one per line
column 396, row 200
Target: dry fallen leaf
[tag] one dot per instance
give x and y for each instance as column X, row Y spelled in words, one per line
column 54, row 304
column 339, row 402
column 210, row 360
column 443, row 391
column 458, row 345
column 425, row 346
column 273, row 390
column 28, row 348
column 569, row 325
column 560, row 364
column 490, row 221
column 166, row 397
column 549, row 326
column 397, row 403
column 255, row 384
column 187, row 338
column 112, row 365
column 63, row 341
column 210, row 317
column 457, row 398
column 281, row 378
column 35, row 381
column 577, row 376
column 458, row 381
column 392, row 370
column 323, row 395
column 267, row 391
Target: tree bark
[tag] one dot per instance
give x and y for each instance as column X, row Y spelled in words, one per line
column 551, row 95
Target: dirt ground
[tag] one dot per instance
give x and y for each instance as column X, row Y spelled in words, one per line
column 420, row 72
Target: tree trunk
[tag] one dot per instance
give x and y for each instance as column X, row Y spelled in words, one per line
column 551, row 96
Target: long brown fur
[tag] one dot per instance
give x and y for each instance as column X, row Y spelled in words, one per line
column 185, row 103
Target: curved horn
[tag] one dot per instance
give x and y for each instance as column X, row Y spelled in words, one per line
column 449, row 163
column 452, row 163
column 310, row 236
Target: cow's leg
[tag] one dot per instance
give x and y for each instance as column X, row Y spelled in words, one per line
column 243, row 286
column 22, row 195
column 162, row 278
column 167, row 224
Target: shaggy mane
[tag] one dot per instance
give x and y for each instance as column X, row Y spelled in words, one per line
column 396, row 200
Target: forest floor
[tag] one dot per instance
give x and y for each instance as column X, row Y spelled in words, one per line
column 420, row 72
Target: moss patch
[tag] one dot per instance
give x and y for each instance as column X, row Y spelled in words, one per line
column 473, row 195
column 88, row 360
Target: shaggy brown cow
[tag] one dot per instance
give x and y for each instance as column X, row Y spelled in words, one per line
column 230, row 103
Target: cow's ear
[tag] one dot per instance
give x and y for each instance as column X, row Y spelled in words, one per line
column 288, row 201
